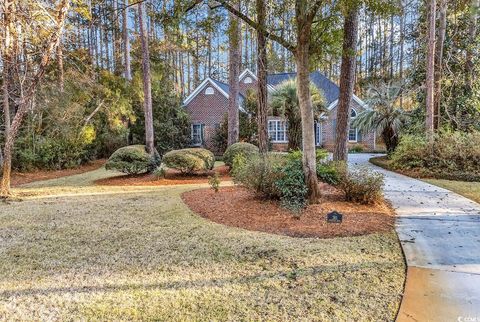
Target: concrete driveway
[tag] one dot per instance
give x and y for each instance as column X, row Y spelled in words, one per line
column 440, row 234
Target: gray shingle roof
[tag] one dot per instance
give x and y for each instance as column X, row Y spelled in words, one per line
column 329, row 88
column 222, row 85
column 226, row 88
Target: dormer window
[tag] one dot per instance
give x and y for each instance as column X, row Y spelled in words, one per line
column 209, row 91
column 248, row 80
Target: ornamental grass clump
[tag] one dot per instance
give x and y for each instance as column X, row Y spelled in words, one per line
column 361, row 185
column 259, row 173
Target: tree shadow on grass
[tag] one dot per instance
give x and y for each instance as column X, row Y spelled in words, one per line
column 287, row 276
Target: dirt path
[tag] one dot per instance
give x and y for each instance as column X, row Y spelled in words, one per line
column 440, row 235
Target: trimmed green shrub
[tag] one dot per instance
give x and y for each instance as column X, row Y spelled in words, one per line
column 189, row 160
column 449, row 155
column 246, row 149
column 291, row 186
column 361, row 185
column 132, row 159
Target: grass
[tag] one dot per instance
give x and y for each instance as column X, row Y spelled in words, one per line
column 70, row 251
column 469, row 190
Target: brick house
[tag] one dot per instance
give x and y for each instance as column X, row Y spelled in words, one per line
column 208, row 104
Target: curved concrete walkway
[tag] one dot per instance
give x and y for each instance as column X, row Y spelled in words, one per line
column 440, row 234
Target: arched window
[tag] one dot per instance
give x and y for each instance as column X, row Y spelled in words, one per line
column 209, row 91
column 248, row 80
column 353, row 113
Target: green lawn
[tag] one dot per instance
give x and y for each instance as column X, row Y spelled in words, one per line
column 470, row 190
column 74, row 251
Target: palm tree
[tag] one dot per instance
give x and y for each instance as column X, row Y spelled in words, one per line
column 386, row 116
column 284, row 101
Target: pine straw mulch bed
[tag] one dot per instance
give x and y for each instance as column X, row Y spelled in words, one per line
column 19, row 178
column 238, row 207
column 172, row 177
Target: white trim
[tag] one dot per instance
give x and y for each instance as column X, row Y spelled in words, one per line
column 209, row 90
column 245, row 72
column 355, row 98
column 356, row 136
column 270, row 88
column 200, row 87
column 248, row 80
column 350, row 126
column 276, row 129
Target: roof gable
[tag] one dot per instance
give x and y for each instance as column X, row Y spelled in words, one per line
column 204, row 84
column 247, row 72
column 329, row 88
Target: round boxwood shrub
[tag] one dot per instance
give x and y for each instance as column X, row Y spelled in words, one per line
column 133, row 159
column 189, row 160
column 246, row 149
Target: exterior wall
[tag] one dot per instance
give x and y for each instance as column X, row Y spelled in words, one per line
column 367, row 140
column 244, row 87
column 209, row 110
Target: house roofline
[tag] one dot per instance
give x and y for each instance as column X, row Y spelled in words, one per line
column 245, row 72
column 200, row 88
column 355, row 98
column 202, row 85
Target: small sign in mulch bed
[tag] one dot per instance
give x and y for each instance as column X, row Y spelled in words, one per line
column 238, row 207
column 172, row 177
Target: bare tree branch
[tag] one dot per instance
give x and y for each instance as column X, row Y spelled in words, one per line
column 289, row 46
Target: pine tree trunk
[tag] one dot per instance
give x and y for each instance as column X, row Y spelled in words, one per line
column 126, row 41
column 7, row 151
column 347, row 79
column 472, row 32
column 61, row 80
column 235, row 58
column 262, row 80
column 442, row 16
column 6, row 65
column 430, row 77
column 147, row 81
